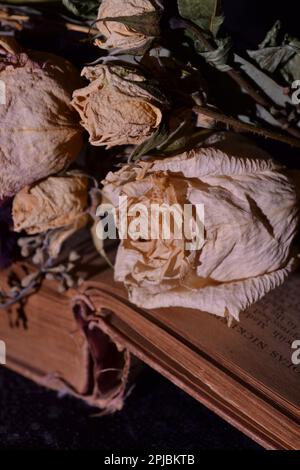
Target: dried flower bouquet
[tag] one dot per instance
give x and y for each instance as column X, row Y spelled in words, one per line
column 164, row 113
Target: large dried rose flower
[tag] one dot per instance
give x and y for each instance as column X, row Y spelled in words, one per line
column 135, row 27
column 40, row 133
column 58, row 202
column 117, row 108
column 251, row 218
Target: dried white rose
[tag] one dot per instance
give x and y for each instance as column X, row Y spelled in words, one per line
column 40, row 132
column 135, row 27
column 58, row 202
column 251, row 219
column 116, row 108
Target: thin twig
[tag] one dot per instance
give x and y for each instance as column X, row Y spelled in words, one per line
column 24, row 293
column 242, row 80
column 32, row 287
column 245, row 127
column 8, row 18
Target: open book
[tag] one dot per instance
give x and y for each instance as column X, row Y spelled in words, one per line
column 85, row 343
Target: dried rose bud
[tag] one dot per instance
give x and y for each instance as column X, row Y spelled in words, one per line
column 130, row 25
column 117, row 108
column 56, row 202
column 40, row 132
column 251, row 217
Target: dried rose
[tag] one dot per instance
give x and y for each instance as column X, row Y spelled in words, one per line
column 130, row 25
column 56, row 202
column 40, row 133
column 251, row 218
column 117, row 108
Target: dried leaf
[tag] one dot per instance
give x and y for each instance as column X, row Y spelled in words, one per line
column 275, row 55
column 84, row 8
column 145, row 148
column 205, row 13
column 180, row 133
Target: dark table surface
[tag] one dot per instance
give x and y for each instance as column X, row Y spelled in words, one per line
column 156, row 416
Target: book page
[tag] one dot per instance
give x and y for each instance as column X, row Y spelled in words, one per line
column 258, row 349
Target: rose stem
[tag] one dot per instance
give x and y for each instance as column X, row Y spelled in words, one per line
column 244, row 127
column 23, row 19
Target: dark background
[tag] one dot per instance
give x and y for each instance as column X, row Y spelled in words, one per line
column 156, row 415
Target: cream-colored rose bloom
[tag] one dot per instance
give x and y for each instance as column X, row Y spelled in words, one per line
column 58, row 202
column 251, row 218
column 52, row 203
column 123, row 36
column 115, row 108
column 39, row 131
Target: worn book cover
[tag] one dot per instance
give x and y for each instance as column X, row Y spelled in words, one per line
column 85, row 343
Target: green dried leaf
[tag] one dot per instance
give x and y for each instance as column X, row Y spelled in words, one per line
column 291, row 70
column 205, row 13
column 167, row 142
column 275, row 55
column 219, row 57
column 270, row 58
column 157, row 139
column 185, row 142
column 87, row 9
